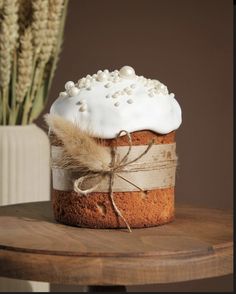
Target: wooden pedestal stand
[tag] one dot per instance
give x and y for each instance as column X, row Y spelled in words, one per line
column 198, row 244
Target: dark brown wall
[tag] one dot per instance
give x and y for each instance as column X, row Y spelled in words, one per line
column 187, row 45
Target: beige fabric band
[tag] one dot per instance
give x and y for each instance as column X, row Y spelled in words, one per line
column 154, row 170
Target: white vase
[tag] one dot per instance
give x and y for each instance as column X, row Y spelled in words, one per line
column 24, row 164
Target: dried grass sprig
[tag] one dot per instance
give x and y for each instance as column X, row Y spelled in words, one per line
column 80, row 148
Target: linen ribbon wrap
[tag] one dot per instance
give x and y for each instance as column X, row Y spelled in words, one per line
column 117, row 165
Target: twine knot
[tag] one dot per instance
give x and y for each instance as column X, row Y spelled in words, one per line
column 113, row 170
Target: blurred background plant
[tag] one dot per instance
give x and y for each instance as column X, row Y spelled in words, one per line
column 31, row 35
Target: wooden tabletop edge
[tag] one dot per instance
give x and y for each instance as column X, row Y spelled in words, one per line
column 161, row 254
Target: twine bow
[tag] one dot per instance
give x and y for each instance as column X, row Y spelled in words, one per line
column 117, row 165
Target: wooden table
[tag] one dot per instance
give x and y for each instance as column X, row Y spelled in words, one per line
column 198, row 244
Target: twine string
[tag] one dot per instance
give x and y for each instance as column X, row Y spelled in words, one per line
column 116, row 166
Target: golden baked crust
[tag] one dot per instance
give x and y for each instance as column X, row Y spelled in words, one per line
column 152, row 208
column 140, row 209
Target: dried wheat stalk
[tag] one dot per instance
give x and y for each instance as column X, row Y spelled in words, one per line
column 49, row 54
column 52, row 30
column 39, row 23
column 49, row 40
column 8, row 42
column 25, row 67
column 8, row 37
column 30, row 38
column 1, row 4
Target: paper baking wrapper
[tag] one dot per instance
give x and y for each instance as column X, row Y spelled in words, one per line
column 155, row 170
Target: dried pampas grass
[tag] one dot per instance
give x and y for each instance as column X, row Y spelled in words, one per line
column 80, row 149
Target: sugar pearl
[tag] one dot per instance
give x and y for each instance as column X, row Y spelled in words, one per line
column 129, row 92
column 116, row 79
column 152, row 90
column 100, row 71
column 73, row 91
column 63, row 94
column 115, row 95
column 127, row 72
column 87, row 83
column 108, row 96
column 83, row 108
column 69, row 85
column 102, row 77
column 130, row 101
column 81, row 80
column 107, row 85
column 106, row 71
column 89, row 89
column 117, row 104
column 81, row 84
column 132, row 86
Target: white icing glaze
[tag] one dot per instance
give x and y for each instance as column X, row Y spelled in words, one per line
column 130, row 103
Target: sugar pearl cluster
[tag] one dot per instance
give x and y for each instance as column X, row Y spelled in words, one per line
column 154, row 87
column 110, row 81
column 126, row 72
column 127, row 91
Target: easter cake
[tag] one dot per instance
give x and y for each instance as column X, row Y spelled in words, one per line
column 113, row 151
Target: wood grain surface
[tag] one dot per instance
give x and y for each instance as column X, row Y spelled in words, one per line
column 198, row 244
